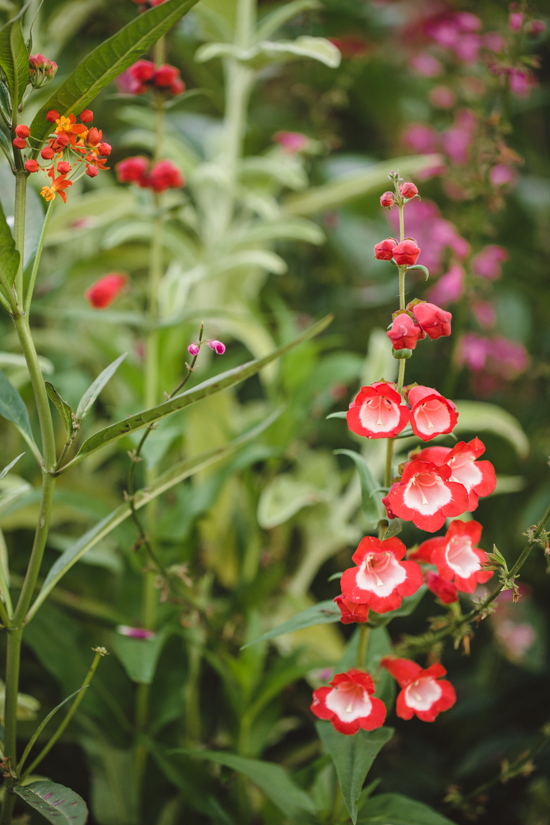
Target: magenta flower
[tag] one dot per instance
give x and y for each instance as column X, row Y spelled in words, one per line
column 449, row 288
column 291, row 142
column 487, row 263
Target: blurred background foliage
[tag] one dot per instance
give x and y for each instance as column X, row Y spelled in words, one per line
column 260, row 534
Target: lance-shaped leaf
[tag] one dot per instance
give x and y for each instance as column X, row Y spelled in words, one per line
column 14, row 59
column 9, row 256
column 6, row 470
column 89, row 397
column 272, row 779
column 353, row 757
column 62, row 407
column 13, row 408
column 321, row 613
column 56, row 803
column 185, row 399
column 268, row 51
column 179, row 472
column 396, row 809
column 42, row 725
column 108, row 60
column 371, row 500
column 355, row 185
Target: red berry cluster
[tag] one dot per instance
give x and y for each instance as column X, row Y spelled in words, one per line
column 160, row 176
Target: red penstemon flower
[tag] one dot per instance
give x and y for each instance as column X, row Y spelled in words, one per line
column 435, row 322
column 424, row 692
column 444, row 590
column 377, row 412
column 405, row 332
column 352, row 611
column 349, row 703
column 456, row 556
column 478, row 477
column 383, row 251
column 406, row 252
column 380, row 580
column 431, row 413
column 103, row 292
column 426, row 496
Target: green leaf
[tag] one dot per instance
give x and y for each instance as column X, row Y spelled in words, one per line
column 371, row 501
column 394, row 528
column 108, row 60
column 272, row 779
column 13, row 407
column 86, row 402
column 339, row 414
column 421, row 268
column 56, row 803
column 179, row 472
column 408, row 606
column 297, row 229
column 62, row 407
column 476, row 416
column 139, row 657
column 6, row 470
column 283, row 497
column 355, row 185
column 396, row 809
column 9, row 256
column 273, row 21
column 42, row 725
column 269, row 51
column 321, row 613
column 353, row 757
column 14, row 60
column 185, row 399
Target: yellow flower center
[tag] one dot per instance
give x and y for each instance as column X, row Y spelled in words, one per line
column 63, row 125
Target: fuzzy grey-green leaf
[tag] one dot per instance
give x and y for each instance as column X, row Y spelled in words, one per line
column 56, row 803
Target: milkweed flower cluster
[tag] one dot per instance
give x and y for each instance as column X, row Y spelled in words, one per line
column 72, row 150
column 434, row 484
column 158, row 176
column 144, row 76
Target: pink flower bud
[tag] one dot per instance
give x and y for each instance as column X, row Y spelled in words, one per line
column 63, row 167
column 387, row 199
column 217, row 347
column 32, row 166
column 515, row 21
column 408, row 190
column 193, row 349
column 435, row 322
column 52, row 116
column 135, row 632
column 20, row 143
column 406, row 252
column 383, row 250
column 291, row 142
column 86, row 116
column 404, row 332
column 22, row 131
column 536, row 27
column 93, row 137
column 444, row 590
column 104, row 291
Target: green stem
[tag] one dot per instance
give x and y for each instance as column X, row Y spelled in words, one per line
column 401, row 223
column 99, row 653
column 245, row 22
column 389, row 458
column 402, row 270
column 19, row 227
column 13, row 658
column 36, row 264
column 361, row 660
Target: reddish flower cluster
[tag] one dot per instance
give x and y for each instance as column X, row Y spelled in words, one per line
column 143, row 76
column 404, row 253
column 456, row 557
column 103, row 292
column 41, row 70
column 161, row 176
column 73, row 148
column 418, row 320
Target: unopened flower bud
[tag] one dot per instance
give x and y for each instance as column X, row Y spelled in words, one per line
column 383, row 251
column 93, row 137
column 444, row 590
column 86, row 116
column 63, row 167
column 193, row 349
column 41, row 70
column 132, row 170
column 515, row 21
column 22, row 131
column 104, row 148
column 406, row 252
column 92, row 171
column 405, row 332
column 435, row 322
column 408, row 190
column 387, row 199
column 32, row 166
column 217, row 347
column 52, row 116
column 20, row 143
column 63, row 140
column 47, row 153
column 104, row 291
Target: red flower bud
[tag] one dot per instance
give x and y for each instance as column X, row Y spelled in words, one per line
column 383, row 251
column 164, row 175
column 63, row 139
column 132, row 170
column 47, row 153
column 408, row 190
column 142, row 71
column 104, row 148
column 104, row 291
column 435, row 322
column 92, row 171
column 93, row 137
column 387, row 199
column 404, row 332
column 86, row 116
column 22, row 131
column 444, row 590
column 52, row 116
column 177, row 87
column 32, row 166
column 63, row 167
column 20, row 143
column 351, row 611
column 165, row 75
column 406, row 253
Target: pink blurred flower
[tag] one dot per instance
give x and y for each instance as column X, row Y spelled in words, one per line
column 433, row 234
column 449, row 288
column 422, row 139
column 494, row 42
column 425, row 64
column 442, row 97
column 500, row 175
column 468, row 22
column 515, row 21
column 484, row 313
column 487, row 263
column 135, row 632
column 521, row 82
column 467, row 48
column 457, row 139
column 498, row 355
column 291, row 142
column 473, row 351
